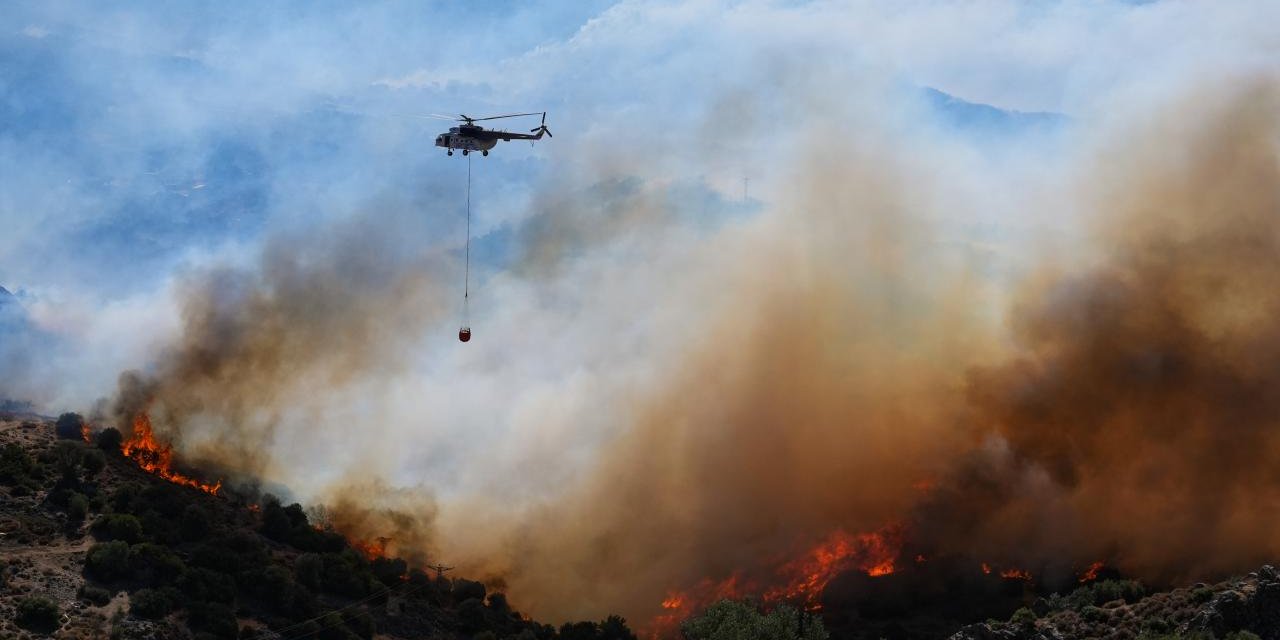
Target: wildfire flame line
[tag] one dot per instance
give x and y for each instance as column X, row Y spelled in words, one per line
column 154, row 457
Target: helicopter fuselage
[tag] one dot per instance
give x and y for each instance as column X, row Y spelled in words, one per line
column 475, row 138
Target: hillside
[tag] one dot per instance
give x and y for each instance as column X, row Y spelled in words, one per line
column 94, row 547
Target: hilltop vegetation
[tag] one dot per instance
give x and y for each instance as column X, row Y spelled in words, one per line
column 95, row 547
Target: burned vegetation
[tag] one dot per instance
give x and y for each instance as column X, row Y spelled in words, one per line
column 95, row 546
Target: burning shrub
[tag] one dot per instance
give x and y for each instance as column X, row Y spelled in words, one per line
column 733, row 619
column 108, row 561
column 117, row 526
column 70, row 426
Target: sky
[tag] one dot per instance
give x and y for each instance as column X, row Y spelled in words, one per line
column 147, row 151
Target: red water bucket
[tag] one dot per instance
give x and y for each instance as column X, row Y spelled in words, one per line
column 464, row 334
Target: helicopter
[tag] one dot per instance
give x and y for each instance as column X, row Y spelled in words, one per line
column 470, row 136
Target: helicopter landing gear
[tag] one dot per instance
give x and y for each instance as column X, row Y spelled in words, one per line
column 485, row 152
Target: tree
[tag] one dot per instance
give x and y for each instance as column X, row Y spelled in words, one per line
column 733, row 620
column 69, row 426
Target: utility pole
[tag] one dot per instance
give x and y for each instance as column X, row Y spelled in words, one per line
column 440, row 569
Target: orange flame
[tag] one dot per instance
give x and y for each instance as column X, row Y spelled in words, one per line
column 1020, row 574
column 143, row 448
column 1090, row 574
column 371, row 550
column 85, row 434
column 800, row 580
column 986, row 568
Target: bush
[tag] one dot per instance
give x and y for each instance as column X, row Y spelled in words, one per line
column 195, row 523
column 1023, row 617
column 1128, row 590
column 151, row 603
column 92, row 461
column 77, row 507
column 308, row 570
column 154, row 565
column 389, row 571
column 466, row 589
column 614, row 628
column 69, row 426
column 117, row 526
column 1243, row 635
column 731, row 619
column 1202, row 595
column 109, row 440
column 206, row 585
column 94, row 594
column 37, row 614
column 213, row 618
column 108, row 561
column 16, row 465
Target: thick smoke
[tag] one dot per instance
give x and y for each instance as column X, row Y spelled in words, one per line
column 828, row 363
column 1142, row 404
column 260, row 344
column 844, row 379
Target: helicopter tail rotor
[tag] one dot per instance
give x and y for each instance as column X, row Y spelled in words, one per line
column 542, row 128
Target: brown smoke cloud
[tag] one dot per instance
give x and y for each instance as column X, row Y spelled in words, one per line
column 319, row 310
column 1132, row 418
column 835, row 367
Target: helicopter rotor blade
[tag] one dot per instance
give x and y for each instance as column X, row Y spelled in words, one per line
column 509, row 115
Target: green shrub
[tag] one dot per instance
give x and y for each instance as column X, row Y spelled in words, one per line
column 1023, row 617
column 69, row 426
column 195, row 523
column 731, row 619
column 308, row 570
column 466, row 589
column 37, row 614
column 1243, row 635
column 94, row 594
column 389, row 571
column 154, row 565
column 16, row 465
column 214, row 618
column 77, row 507
column 1202, row 595
column 151, row 603
column 117, row 526
column 109, row 440
column 108, row 561
column 612, row 628
column 206, row 585
column 92, row 461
